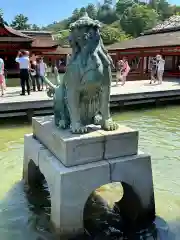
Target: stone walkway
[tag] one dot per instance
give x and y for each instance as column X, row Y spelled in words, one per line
column 12, row 93
column 144, row 87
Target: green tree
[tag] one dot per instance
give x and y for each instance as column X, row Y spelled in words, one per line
column 127, row 17
column 138, row 19
column 62, row 37
column 75, row 15
column 1, row 17
column 59, row 26
column 20, row 22
column 153, row 4
column 92, row 11
column 176, row 10
column 164, row 9
column 34, row 27
column 111, row 35
column 1, row 12
column 123, row 5
column 108, row 2
column 82, row 11
column 107, row 14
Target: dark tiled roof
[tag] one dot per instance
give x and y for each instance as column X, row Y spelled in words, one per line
column 60, row 51
column 42, row 39
column 166, row 33
column 44, row 43
column 12, row 35
column 171, row 24
column 17, row 33
column 153, row 40
column 35, row 33
column 14, row 39
column 38, row 39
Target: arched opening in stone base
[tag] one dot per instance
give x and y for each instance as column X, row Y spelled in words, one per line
column 38, row 195
column 115, row 210
column 98, row 210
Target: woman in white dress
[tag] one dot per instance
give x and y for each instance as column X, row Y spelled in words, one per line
column 160, row 68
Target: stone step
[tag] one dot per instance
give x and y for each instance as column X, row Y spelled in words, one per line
column 75, row 149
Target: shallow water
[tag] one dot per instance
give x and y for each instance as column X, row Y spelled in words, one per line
column 159, row 136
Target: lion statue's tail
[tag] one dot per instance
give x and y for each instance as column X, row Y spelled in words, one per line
column 51, row 90
column 49, row 83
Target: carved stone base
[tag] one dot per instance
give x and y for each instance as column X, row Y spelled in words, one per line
column 70, row 187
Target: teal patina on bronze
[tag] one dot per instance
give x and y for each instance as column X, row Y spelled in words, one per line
column 84, row 92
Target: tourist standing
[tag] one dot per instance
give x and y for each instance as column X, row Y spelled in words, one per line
column 42, row 72
column 5, row 78
column 160, row 68
column 49, row 70
column 179, row 70
column 33, row 73
column 125, row 70
column 119, row 69
column 153, row 70
column 68, row 59
column 23, row 60
column 2, row 79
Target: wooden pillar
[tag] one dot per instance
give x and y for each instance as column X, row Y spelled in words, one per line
column 117, row 56
column 141, row 68
column 174, row 63
column 147, row 64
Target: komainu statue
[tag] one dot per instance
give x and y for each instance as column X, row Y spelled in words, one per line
column 84, row 92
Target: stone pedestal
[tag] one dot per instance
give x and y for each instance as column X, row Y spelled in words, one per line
column 74, row 149
column 76, row 165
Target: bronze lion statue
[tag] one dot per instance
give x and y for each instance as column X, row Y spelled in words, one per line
column 84, row 92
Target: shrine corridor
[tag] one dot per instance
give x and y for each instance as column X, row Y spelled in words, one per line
column 132, row 93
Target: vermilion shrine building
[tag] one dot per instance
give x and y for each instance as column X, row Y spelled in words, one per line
column 36, row 42
column 164, row 39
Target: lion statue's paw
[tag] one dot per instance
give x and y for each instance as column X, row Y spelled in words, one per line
column 97, row 119
column 50, row 92
column 109, row 125
column 78, row 128
column 62, row 124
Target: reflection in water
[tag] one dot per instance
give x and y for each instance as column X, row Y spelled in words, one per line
column 159, row 136
column 125, row 219
column 18, row 221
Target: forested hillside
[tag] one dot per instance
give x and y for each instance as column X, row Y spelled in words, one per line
column 126, row 19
